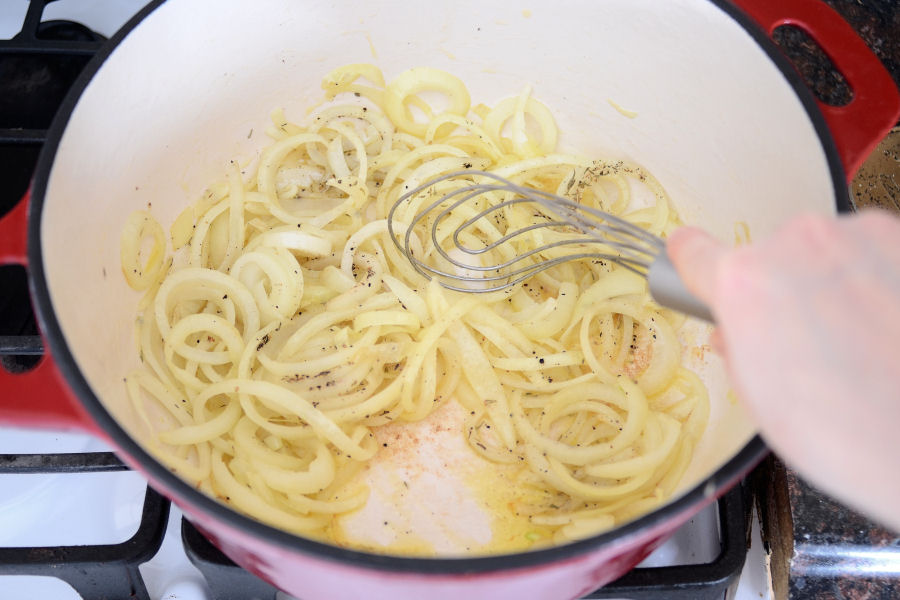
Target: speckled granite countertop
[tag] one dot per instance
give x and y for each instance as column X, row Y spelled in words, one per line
column 819, row 548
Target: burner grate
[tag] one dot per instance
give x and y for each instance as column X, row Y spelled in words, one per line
column 226, row 580
column 96, row 572
column 37, row 67
column 706, row 581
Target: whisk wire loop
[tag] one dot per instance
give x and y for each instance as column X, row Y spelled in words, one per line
column 489, row 197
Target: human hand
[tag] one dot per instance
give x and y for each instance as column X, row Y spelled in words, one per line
column 808, row 323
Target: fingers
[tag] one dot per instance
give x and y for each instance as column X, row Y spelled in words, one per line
column 696, row 256
column 717, row 342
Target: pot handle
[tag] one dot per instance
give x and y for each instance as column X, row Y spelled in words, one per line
column 858, row 126
column 39, row 397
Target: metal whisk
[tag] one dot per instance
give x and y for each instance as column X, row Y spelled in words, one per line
column 576, row 232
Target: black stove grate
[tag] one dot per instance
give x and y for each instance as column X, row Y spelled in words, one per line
column 37, row 67
column 706, row 581
column 96, row 572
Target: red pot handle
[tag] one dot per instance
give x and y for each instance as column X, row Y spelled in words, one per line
column 39, row 397
column 857, row 127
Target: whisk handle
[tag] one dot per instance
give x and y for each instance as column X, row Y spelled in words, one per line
column 669, row 290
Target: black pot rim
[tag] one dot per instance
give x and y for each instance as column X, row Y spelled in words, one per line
column 726, row 475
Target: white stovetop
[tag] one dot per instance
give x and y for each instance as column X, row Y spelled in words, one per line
column 105, row 508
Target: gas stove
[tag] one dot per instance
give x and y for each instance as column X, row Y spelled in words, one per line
column 76, row 523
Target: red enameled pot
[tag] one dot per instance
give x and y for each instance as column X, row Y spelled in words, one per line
column 723, row 120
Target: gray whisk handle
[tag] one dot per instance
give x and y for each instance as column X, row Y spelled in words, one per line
column 669, row 290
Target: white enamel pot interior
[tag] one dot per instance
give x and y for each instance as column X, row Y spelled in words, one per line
column 728, row 135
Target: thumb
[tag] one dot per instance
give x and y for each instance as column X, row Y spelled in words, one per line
column 696, row 256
